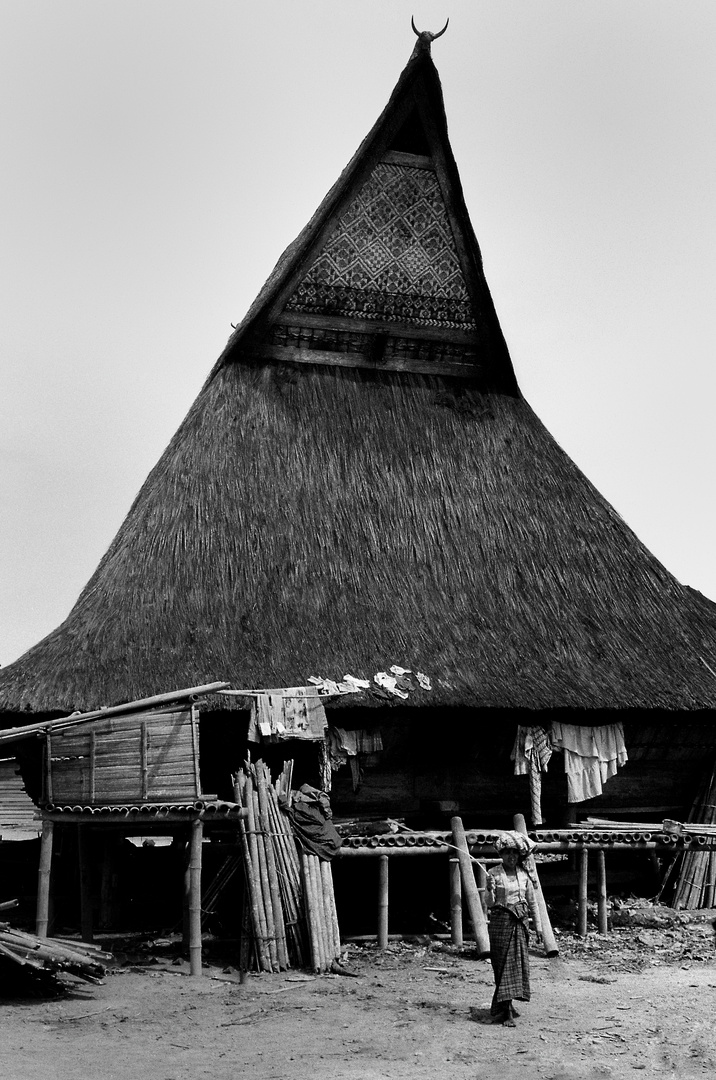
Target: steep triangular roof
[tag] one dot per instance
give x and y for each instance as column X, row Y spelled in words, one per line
column 359, row 483
column 390, row 259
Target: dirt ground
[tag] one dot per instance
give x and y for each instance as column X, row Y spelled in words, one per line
column 638, row 1002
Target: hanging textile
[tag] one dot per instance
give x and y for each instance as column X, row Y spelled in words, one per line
column 531, row 754
column 591, row 756
column 294, row 713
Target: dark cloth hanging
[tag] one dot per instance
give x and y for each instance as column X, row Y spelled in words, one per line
column 310, row 816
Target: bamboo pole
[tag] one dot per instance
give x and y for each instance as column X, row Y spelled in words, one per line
column 455, row 903
column 602, row 910
column 583, row 872
column 43, row 880
column 197, row 836
column 469, row 888
column 317, row 895
column 311, row 913
column 265, row 886
column 332, row 912
column 549, row 941
column 274, row 892
column 252, row 894
column 383, row 902
column 257, row 873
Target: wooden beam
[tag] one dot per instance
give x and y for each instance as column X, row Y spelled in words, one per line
column 292, row 355
column 357, row 325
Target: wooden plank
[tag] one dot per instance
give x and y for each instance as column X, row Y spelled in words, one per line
column 402, row 331
column 413, row 161
column 291, row 354
column 93, row 762
column 143, row 759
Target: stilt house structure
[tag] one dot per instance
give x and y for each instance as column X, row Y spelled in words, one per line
column 360, row 485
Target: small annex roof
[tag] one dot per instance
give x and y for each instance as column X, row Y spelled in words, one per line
column 360, row 483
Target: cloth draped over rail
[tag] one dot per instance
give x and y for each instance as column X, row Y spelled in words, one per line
column 592, row 755
column 531, row 754
column 296, row 712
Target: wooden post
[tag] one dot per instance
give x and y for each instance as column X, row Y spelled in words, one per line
column 455, row 903
column 186, row 879
column 43, row 880
column 469, row 888
column 197, row 835
column 602, row 920
column 583, row 873
column 382, row 901
column 549, row 941
column 85, row 862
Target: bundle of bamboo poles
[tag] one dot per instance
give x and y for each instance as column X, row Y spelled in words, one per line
column 50, row 957
column 272, row 871
column 321, row 915
column 696, row 883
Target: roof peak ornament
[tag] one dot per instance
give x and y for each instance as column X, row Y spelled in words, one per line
column 425, row 37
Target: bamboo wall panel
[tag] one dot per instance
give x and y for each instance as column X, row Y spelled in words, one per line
column 142, row 757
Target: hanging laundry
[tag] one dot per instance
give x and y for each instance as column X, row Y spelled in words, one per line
column 531, row 754
column 389, row 683
column 591, row 756
column 293, row 713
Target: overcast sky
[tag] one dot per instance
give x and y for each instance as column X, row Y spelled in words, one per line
column 158, row 155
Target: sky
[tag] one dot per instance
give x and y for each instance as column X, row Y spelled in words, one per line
column 159, row 155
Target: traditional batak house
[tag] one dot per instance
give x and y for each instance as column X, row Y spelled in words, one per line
column 361, row 523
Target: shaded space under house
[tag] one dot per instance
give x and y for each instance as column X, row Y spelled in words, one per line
column 360, row 485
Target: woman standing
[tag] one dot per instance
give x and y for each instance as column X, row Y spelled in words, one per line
column 510, row 900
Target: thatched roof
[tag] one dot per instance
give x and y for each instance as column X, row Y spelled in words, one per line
column 327, row 507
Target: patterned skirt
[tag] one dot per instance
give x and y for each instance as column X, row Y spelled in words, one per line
column 509, row 937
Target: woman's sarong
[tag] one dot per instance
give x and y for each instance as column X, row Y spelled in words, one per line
column 509, row 936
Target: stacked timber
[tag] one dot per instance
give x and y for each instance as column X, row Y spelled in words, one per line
column 696, row 882
column 321, row 915
column 45, row 959
column 290, row 909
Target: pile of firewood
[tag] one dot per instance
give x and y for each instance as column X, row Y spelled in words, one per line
column 290, row 912
column 27, row 960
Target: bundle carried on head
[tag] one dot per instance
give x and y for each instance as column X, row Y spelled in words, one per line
column 515, row 841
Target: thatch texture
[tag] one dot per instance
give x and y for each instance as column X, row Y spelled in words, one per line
column 323, row 521
column 327, row 520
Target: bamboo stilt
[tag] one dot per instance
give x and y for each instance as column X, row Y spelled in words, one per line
column 383, row 902
column 43, row 880
column 583, row 878
column 602, row 908
column 197, row 836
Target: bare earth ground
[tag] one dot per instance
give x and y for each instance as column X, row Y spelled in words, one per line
column 638, row 1003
